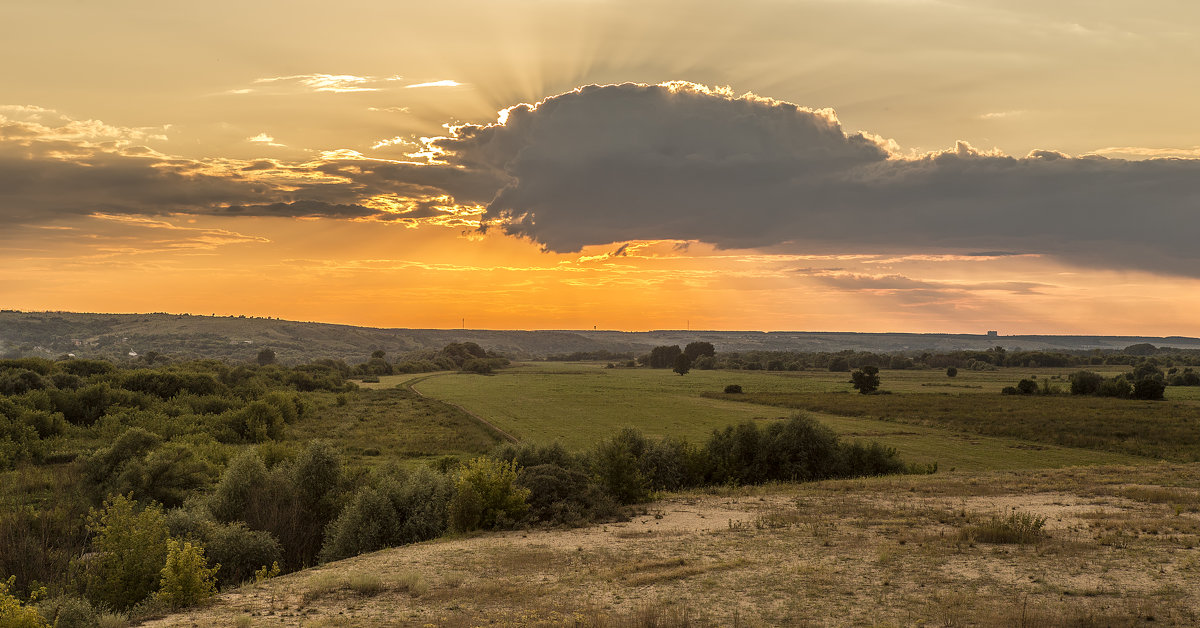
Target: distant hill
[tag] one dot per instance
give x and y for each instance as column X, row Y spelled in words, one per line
column 115, row 336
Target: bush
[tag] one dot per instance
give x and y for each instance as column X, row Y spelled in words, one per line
column 733, row 389
column 400, row 510
column 614, row 465
column 186, row 578
column 130, row 549
column 1116, row 387
column 562, row 496
column 951, row 372
column 14, row 614
column 1148, row 389
column 486, row 496
column 1086, row 383
column 67, row 611
column 1027, row 387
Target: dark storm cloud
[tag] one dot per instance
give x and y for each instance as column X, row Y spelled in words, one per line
column 624, row 162
column 611, row 164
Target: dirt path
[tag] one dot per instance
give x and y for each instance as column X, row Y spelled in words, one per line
column 411, row 385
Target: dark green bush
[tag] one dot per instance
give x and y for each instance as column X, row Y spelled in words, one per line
column 1086, row 383
column 733, row 389
column 1148, row 389
column 614, row 466
column 563, row 496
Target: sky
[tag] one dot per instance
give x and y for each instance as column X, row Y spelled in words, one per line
column 848, row 165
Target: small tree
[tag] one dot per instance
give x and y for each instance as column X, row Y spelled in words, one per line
column 187, row 579
column 951, row 372
column 265, row 357
column 131, row 549
column 486, row 496
column 683, row 364
column 865, row 379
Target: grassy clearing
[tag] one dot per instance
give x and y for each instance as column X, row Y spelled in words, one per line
column 579, row 404
column 1159, row 429
column 379, row 425
column 874, row 551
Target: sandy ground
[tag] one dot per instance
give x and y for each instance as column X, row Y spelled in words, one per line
column 863, row 552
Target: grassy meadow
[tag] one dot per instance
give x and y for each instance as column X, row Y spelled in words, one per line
column 580, row 403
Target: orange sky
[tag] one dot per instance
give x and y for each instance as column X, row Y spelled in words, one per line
column 129, row 135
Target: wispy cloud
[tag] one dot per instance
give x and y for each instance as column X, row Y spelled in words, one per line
column 336, row 83
column 1144, row 151
column 444, row 83
column 1000, row 115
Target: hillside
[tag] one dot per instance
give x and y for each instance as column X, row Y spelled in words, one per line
column 1116, row 550
column 51, row 334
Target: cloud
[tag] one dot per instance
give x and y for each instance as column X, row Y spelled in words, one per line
column 334, row 83
column 444, row 83
column 609, row 164
column 901, row 283
column 606, row 165
column 263, row 138
column 53, row 168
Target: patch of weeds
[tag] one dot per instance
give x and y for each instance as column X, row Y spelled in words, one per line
column 1016, row 527
column 366, row 585
column 414, row 584
column 320, row 585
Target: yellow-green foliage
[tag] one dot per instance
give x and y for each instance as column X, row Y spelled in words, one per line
column 266, row 573
column 130, row 550
column 186, row 578
column 485, row 495
column 13, row 614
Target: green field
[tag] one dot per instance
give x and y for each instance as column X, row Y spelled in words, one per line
column 578, row 404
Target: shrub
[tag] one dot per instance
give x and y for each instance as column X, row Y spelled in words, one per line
column 486, row 496
column 67, row 611
column 1017, row 527
column 400, row 510
column 14, row 614
column 562, row 496
column 951, row 371
column 366, row 524
column 1086, row 383
column 186, row 578
column 1148, row 389
column 733, row 389
column 614, row 465
column 130, row 548
column 1116, row 387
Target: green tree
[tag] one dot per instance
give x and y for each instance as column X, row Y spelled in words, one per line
column 683, row 364
column 951, row 372
column 698, row 349
column 265, row 357
column 865, row 379
column 663, row 357
column 186, row 578
column 130, row 547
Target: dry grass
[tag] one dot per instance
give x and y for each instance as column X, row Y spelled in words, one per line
column 876, row 551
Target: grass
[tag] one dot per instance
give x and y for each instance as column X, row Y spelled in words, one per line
column 1159, row 429
column 578, row 404
column 377, row 425
column 1016, row 527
